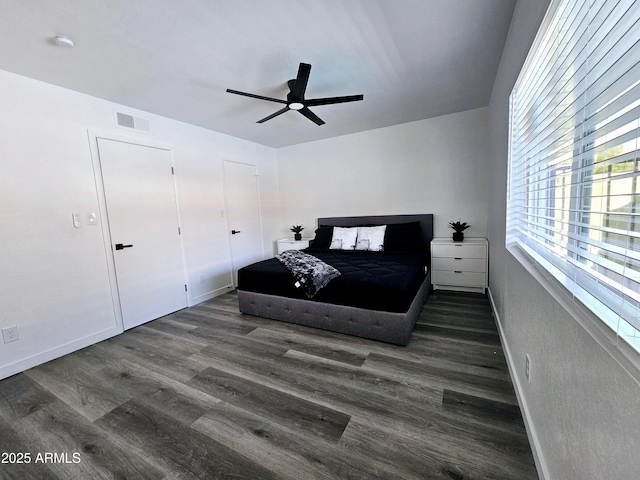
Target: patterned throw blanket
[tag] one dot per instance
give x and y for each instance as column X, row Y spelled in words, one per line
column 310, row 272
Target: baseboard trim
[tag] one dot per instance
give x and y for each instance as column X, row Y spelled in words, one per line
column 48, row 355
column 209, row 295
column 538, row 457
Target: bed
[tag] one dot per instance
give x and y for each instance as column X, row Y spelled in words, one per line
column 378, row 295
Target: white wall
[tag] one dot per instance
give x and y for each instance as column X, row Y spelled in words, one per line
column 429, row 166
column 584, row 409
column 54, row 279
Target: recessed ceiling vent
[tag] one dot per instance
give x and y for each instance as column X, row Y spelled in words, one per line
column 134, row 123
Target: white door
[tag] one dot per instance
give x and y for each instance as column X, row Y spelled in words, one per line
column 243, row 214
column 143, row 223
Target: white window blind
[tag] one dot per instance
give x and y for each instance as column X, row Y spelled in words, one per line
column 573, row 194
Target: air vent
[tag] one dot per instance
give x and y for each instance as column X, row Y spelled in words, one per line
column 129, row 121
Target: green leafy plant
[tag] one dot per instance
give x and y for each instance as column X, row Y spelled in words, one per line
column 297, row 228
column 458, row 226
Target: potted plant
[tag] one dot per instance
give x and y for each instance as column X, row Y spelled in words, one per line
column 458, row 228
column 296, row 229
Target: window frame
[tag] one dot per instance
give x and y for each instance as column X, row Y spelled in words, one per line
column 623, row 353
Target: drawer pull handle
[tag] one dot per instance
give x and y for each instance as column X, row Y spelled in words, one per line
column 457, row 271
column 458, row 258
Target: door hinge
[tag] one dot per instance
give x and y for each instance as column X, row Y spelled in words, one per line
column 185, row 288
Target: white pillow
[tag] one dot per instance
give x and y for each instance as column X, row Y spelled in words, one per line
column 371, row 238
column 344, row 238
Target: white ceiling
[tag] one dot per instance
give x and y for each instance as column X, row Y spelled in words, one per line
column 412, row 59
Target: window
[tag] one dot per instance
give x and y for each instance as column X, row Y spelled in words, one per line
column 573, row 197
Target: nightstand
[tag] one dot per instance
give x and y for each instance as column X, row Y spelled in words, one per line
column 290, row 244
column 461, row 266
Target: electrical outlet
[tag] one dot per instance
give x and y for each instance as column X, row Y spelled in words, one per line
column 10, row 334
column 527, row 367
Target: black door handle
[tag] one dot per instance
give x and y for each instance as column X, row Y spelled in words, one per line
column 233, row 232
column 120, row 246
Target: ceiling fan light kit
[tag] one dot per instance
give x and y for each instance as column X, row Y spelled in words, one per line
column 295, row 98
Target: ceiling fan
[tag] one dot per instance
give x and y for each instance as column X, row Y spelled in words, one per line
column 295, row 98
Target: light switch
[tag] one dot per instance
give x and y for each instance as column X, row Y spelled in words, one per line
column 92, row 219
column 75, row 217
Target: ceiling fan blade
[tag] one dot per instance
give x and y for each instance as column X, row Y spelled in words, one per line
column 279, row 112
column 256, row 96
column 331, row 100
column 311, row 116
column 300, row 86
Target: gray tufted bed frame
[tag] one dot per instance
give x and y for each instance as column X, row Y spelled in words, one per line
column 388, row 327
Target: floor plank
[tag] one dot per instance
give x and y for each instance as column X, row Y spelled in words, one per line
column 207, row 392
column 177, row 449
column 279, row 406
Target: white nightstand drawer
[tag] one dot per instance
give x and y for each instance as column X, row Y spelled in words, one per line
column 461, row 250
column 460, row 264
column 467, row 279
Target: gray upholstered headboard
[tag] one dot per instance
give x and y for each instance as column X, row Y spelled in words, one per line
column 426, row 224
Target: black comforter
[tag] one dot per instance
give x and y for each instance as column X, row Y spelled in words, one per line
column 386, row 281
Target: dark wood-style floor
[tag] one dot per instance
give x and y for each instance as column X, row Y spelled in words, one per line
column 209, row 393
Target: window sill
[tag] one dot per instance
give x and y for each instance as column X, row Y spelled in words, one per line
column 617, row 348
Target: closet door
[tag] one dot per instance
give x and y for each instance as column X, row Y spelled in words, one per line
column 143, row 224
column 243, row 214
